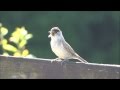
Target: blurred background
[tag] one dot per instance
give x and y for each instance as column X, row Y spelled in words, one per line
column 94, row 35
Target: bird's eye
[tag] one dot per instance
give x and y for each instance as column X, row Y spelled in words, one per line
column 56, row 30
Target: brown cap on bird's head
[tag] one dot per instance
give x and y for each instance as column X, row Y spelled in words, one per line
column 53, row 31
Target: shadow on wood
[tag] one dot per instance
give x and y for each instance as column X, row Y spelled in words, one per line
column 38, row 68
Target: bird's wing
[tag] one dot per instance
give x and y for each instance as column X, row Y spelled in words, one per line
column 72, row 52
column 69, row 48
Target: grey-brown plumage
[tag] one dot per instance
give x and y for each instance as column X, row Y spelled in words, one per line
column 60, row 47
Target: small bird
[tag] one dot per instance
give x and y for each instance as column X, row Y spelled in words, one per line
column 60, row 47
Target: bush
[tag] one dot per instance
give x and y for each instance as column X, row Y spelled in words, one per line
column 15, row 45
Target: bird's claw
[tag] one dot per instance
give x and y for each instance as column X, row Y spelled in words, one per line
column 57, row 59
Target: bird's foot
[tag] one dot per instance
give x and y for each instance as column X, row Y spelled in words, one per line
column 60, row 60
column 56, row 59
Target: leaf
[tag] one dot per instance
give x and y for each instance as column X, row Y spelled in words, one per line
column 9, row 47
column 14, row 39
column 19, row 33
column 25, row 52
column 17, row 54
column 4, row 31
column 4, row 41
column 22, row 43
column 28, row 36
column 16, row 33
column 23, row 31
column 5, row 54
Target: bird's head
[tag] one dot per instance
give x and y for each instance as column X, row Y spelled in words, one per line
column 55, row 31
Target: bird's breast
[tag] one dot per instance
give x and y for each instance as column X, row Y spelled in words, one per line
column 57, row 48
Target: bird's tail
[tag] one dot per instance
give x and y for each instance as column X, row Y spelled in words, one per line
column 82, row 60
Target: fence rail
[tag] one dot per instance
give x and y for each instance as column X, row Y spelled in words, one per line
column 39, row 68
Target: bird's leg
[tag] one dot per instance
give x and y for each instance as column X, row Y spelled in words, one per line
column 56, row 59
column 59, row 59
column 53, row 60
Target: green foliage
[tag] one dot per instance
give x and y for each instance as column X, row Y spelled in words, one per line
column 15, row 45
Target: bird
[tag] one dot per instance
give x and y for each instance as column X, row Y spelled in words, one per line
column 60, row 47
